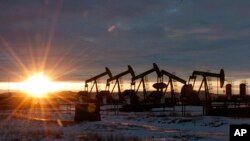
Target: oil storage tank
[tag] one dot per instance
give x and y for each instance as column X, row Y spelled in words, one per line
column 229, row 89
column 242, row 89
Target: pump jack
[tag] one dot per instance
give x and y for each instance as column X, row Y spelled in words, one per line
column 117, row 82
column 142, row 81
column 95, row 78
column 170, row 82
column 221, row 76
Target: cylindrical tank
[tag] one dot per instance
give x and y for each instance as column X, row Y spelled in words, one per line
column 229, row 89
column 242, row 89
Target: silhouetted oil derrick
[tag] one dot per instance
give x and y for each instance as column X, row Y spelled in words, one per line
column 142, row 79
column 95, row 80
column 172, row 80
column 119, row 83
column 99, row 94
column 205, row 75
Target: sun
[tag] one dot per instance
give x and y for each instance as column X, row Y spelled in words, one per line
column 37, row 85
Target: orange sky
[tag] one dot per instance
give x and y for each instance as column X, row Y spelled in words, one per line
column 79, row 86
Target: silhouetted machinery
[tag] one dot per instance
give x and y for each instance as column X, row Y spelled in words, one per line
column 229, row 90
column 242, row 89
column 171, row 78
column 190, row 95
column 88, row 109
column 117, row 83
column 142, row 80
column 102, row 94
column 242, row 97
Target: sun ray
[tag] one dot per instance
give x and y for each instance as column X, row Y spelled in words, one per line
column 51, row 33
column 31, row 53
column 16, row 109
column 18, row 61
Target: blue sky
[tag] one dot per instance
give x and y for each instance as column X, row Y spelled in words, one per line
column 71, row 40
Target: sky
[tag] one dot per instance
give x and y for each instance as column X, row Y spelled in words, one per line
column 74, row 40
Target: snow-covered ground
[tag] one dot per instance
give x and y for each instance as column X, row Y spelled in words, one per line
column 157, row 125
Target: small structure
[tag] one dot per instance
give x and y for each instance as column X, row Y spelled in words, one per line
column 229, row 90
column 242, row 89
column 87, row 112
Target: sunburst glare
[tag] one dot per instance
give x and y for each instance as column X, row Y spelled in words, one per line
column 38, row 85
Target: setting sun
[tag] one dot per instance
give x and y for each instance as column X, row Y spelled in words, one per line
column 37, row 85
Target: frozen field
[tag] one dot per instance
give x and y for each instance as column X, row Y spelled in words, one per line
column 144, row 126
